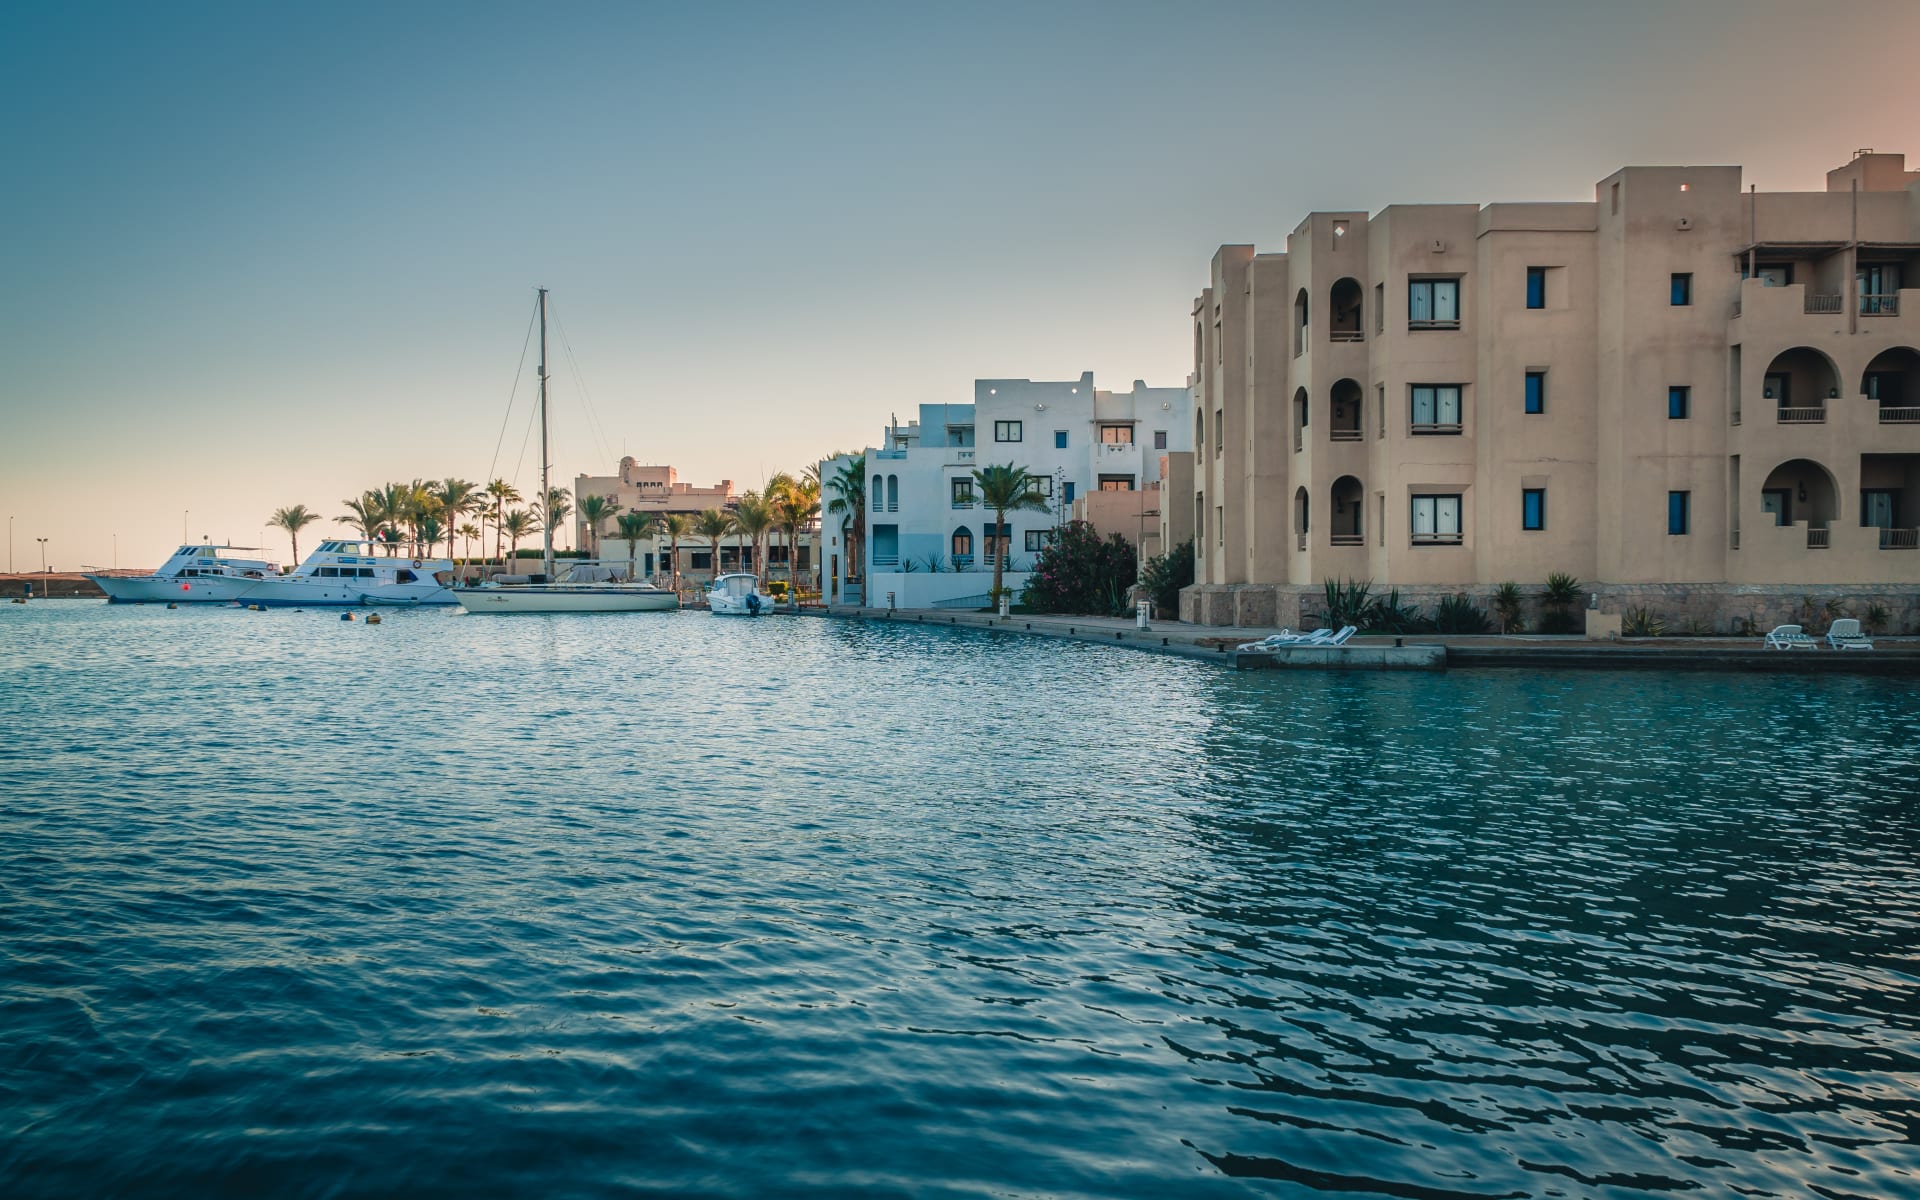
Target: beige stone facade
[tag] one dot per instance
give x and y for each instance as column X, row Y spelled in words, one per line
column 1680, row 383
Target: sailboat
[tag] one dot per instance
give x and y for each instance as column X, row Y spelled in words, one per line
column 580, row 590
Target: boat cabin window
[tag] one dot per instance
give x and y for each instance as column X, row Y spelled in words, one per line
column 404, row 576
column 328, row 572
column 363, row 572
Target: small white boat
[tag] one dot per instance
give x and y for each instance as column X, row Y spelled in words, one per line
column 193, row 575
column 584, row 587
column 738, row 595
column 346, row 573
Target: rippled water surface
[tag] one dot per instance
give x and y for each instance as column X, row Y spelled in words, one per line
column 591, row 906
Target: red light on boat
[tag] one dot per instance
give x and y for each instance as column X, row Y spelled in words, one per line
column 186, row 587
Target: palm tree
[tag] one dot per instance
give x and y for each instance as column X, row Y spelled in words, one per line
column 1004, row 490
column 594, row 511
column 518, row 524
column 713, row 524
column 634, row 526
column 752, row 517
column 467, row 533
column 503, row 494
column 458, row 498
column 794, row 505
column 675, row 526
column 849, row 503
column 431, row 531
column 365, row 514
column 293, row 520
column 559, row 506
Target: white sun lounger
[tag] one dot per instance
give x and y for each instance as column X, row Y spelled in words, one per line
column 1789, row 637
column 1846, row 635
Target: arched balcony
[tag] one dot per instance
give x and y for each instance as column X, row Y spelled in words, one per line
column 1300, row 315
column 1343, row 412
column 1349, row 499
column 1301, row 406
column 1798, row 384
column 1344, row 322
column 1802, row 490
column 1301, row 524
column 1892, row 381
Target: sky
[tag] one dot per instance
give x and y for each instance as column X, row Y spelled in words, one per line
column 257, row 255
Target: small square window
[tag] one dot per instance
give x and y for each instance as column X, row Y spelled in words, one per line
column 1536, row 287
column 1536, row 392
column 1006, row 431
column 1679, row 506
column 1680, row 290
column 1038, row 539
column 1533, row 508
column 962, row 492
column 1159, row 439
column 1679, row 403
column 1059, row 439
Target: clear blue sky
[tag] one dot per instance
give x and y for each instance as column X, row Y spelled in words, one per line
column 264, row 254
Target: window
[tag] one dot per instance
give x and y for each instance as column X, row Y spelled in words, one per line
column 1680, row 290
column 1059, row 439
column 1679, row 403
column 1433, row 304
column 1436, row 520
column 1038, row 539
column 1533, row 508
column 1536, row 287
column 1219, row 431
column 1159, row 439
column 1616, row 199
column 1379, row 308
column 962, row 493
column 1536, row 392
column 1219, row 524
column 1380, row 399
column 1066, row 496
column 1436, row 408
column 1678, row 506
column 1116, row 435
column 1006, row 431
column 1116, row 483
column 1042, row 484
column 996, row 540
column 962, row 546
column 1200, row 522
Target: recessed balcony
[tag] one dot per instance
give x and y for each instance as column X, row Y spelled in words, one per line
column 1900, row 539
column 1343, row 435
column 1801, row 416
column 1881, row 304
column 1348, row 539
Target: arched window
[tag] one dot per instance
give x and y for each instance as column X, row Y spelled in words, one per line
column 1344, row 322
column 877, row 494
column 961, row 547
column 893, row 493
column 1300, row 322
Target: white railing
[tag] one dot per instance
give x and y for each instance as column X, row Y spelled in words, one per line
column 1822, row 302
column 886, row 560
column 1433, row 324
column 1117, row 447
column 1900, row 539
column 1349, row 539
column 1343, row 435
column 1346, row 335
column 1431, row 429
column 1900, row 416
column 1880, row 304
column 1817, row 539
column 1801, row 416
column 1437, row 539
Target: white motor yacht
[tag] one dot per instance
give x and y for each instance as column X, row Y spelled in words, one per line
column 738, row 595
column 346, row 573
column 193, row 575
column 583, row 587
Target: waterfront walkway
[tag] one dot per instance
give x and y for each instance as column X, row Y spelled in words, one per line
column 1215, row 643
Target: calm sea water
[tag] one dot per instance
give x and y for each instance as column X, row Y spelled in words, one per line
column 598, row 906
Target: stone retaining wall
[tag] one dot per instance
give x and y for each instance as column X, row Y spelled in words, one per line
column 1700, row 608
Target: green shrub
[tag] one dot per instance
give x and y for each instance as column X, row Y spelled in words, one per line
column 1874, row 619
column 1556, row 604
column 1080, row 573
column 1391, row 616
column 1349, row 604
column 1510, row 607
column 1642, row 622
column 1165, row 574
column 1458, row 614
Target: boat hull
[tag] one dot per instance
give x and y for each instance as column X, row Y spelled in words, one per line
column 200, row 589
column 343, row 593
column 536, row 599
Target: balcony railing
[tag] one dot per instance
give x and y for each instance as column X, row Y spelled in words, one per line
column 1900, row 416
column 1821, row 302
column 968, row 503
column 1346, row 335
column 886, row 560
column 963, row 455
column 1349, row 539
column 1300, row 342
column 1817, row 539
column 1801, row 416
column 1299, row 438
column 1433, row 429
column 1455, row 324
column 962, row 561
column 1880, row 304
column 1343, row 435
column 1437, row 539
column 1900, row 539
column 1300, row 541
column 1116, row 447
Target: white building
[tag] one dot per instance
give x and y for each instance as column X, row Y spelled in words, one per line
column 928, row 540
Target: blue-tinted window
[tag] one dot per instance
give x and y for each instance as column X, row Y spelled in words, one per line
column 1059, row 439
column 1679, row 400
column 1536, row 287
column 1067, row 495
column 1533, row 508
column 1677, row 505
column 1681, row 290
column 1536, row 391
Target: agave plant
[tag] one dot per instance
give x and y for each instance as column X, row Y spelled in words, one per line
column 1349, row 604
column 1458, row 614
column 1509, row 606
column 1642, row 622
column 1391, row 616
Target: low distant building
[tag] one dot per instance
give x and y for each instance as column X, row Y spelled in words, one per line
column 928, row 540
column 657, row 491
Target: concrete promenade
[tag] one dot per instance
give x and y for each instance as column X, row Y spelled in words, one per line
column 1414, row 652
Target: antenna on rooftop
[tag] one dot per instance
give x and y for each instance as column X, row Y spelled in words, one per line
column 1863, row 151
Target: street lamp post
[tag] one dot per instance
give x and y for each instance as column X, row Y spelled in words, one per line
column 43, row 554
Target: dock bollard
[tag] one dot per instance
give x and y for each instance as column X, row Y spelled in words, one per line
column 1141, row 611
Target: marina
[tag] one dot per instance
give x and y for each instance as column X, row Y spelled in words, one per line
column 1431, row 934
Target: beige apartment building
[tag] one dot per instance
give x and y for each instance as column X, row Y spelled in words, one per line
column 657, row 490
column 1685, row 393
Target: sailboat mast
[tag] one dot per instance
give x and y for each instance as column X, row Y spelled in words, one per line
column 546, row 488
